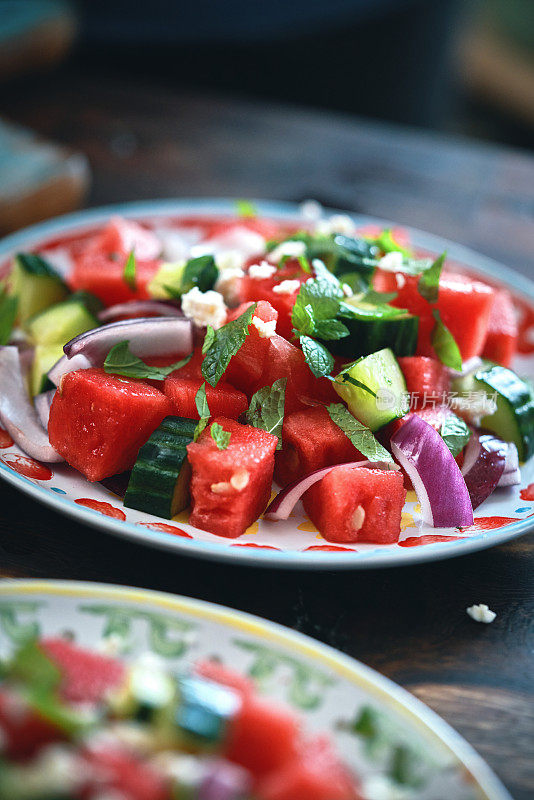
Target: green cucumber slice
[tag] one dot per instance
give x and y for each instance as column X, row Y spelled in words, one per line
column 44, row 358
column 513, row 420
column 376, row 327
column 159, row 483
column 35, row 283
column 60, row 323
column 387, row 399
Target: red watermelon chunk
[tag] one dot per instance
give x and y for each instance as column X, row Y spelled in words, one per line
column 501, row 341
column 116, row 772
column 314, row 773
column 86, row 676
column 357, row 504
column 231, row 488
column 247, row 366
column 98, row 422
column 264, row 289
column 222, row 399
column 311, row 441
column 218, row 673
column 23, row 731
column 464, row 304
column 427, row 380
column 285, row 360
column 99, row 267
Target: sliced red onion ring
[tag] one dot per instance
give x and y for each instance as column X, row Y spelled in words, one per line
column 42, row 405
column 435, row 475
column 147, row 337
column 286, row 500
column 150, row 308
column 483, row 467
column 17, row 413
column 65, row 365
column 224, row 781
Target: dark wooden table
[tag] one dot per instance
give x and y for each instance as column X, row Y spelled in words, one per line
column 410, row 624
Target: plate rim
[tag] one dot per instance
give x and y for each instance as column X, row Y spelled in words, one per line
column 259, row 556
column 351, row 669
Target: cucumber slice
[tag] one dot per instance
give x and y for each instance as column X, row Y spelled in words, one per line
column 159, row 483
column 375, row 327
column 36, row 285
column 44, row 358
column 61, row 322
column 380, row 373
column 513, row 420
column 167, row 282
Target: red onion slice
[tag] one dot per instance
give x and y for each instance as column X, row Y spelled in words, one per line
column 65, row 365
column 286, row 500
column 17, row 413
column 149, row 308
column 147, row 337
column 435, row 475
column 224, row 781
column 42, row 405
column 484, row 463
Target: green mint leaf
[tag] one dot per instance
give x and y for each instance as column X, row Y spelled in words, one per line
column 208, row 339
column 330, row 329
column 36, row 265
column 304, row 264
column 319, row 360
column 346, row 378
column 444, row 344
column 31, row 666
column 130, row 269
column 303, row 321
column 201, row 272
column 428, row 283
column 266, row 409
column 246, row 209
column 201, row 402
column 387, row 244
column 200, row 427
column 121, row 361
column 359, row 434
column 8, row 312
column 455, row 433
column 220, row 436
column 223, row 344
column 378, row 298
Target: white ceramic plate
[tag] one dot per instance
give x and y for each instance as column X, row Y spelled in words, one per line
column 327, row 688
column 295, row 543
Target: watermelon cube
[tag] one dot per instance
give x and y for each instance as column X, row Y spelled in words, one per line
column 427, row 380
column 357, row 504
column 310, row 441
column 230, row 488
column 116, row 772
column 23, row 730
column 246, row 368
column 222, row 399
column 286, row 360
column 265, row 289
column 98, row 421
column 86, row 676
column 501, row 341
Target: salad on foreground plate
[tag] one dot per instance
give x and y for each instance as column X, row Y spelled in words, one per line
column 190, row 366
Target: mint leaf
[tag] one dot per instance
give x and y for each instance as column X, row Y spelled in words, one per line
column 208, row 339
column 220, row 436
column 359, row 434
column 201, row 272
column 304, row 264
column 31, row 666
column 201, row 402
column 330, row 329
column 387, row 243
column 444, row 344
column 454, row 433
column 223, row 344
column 8, row 312
column 35, row 265
column 303, row 320
column 121, row 361
column 266, row 409
column 130, row 270
column 428, row 283
column 378, row 298
column 246, row 209
column 319, row 360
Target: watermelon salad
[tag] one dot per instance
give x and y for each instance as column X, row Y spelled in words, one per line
column 235, row 366
column 78, row 724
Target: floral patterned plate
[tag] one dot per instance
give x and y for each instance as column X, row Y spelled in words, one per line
column 329, row 690
column 295, row 543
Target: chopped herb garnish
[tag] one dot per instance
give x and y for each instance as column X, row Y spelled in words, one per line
column 203, row 409
column 220, row 436
column 378, row 298
column 428, row 283
column 8, row 312
column 359, row 434
column 444, row 343
column 130, row 270
column 121, row 361
column 266, row 409
column 455, row 433
column 220, row 345
column 387, row 243
column 318, row 358
column 201, row 272
column 246, row 209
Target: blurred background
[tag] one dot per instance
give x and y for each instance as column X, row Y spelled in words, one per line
column 461, row 67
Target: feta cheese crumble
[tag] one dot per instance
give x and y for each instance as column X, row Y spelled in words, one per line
column 260, row 272
column 286, row 287
column 288, row 249
column 204, row 308
column 338, row 223
column 228, row 284
column 391, row 261
column 265, row 329
column 481, row 613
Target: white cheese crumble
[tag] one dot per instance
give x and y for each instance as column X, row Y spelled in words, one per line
column 204, row 308
column 287, row 287
column 177, row 242
column 338, row 223
column 481, row 613
column 391, row 261
column 311, row 210
column 289, row 249
column 239, row 242
column 265, row 329
column 228, row 284
column 262, row 271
